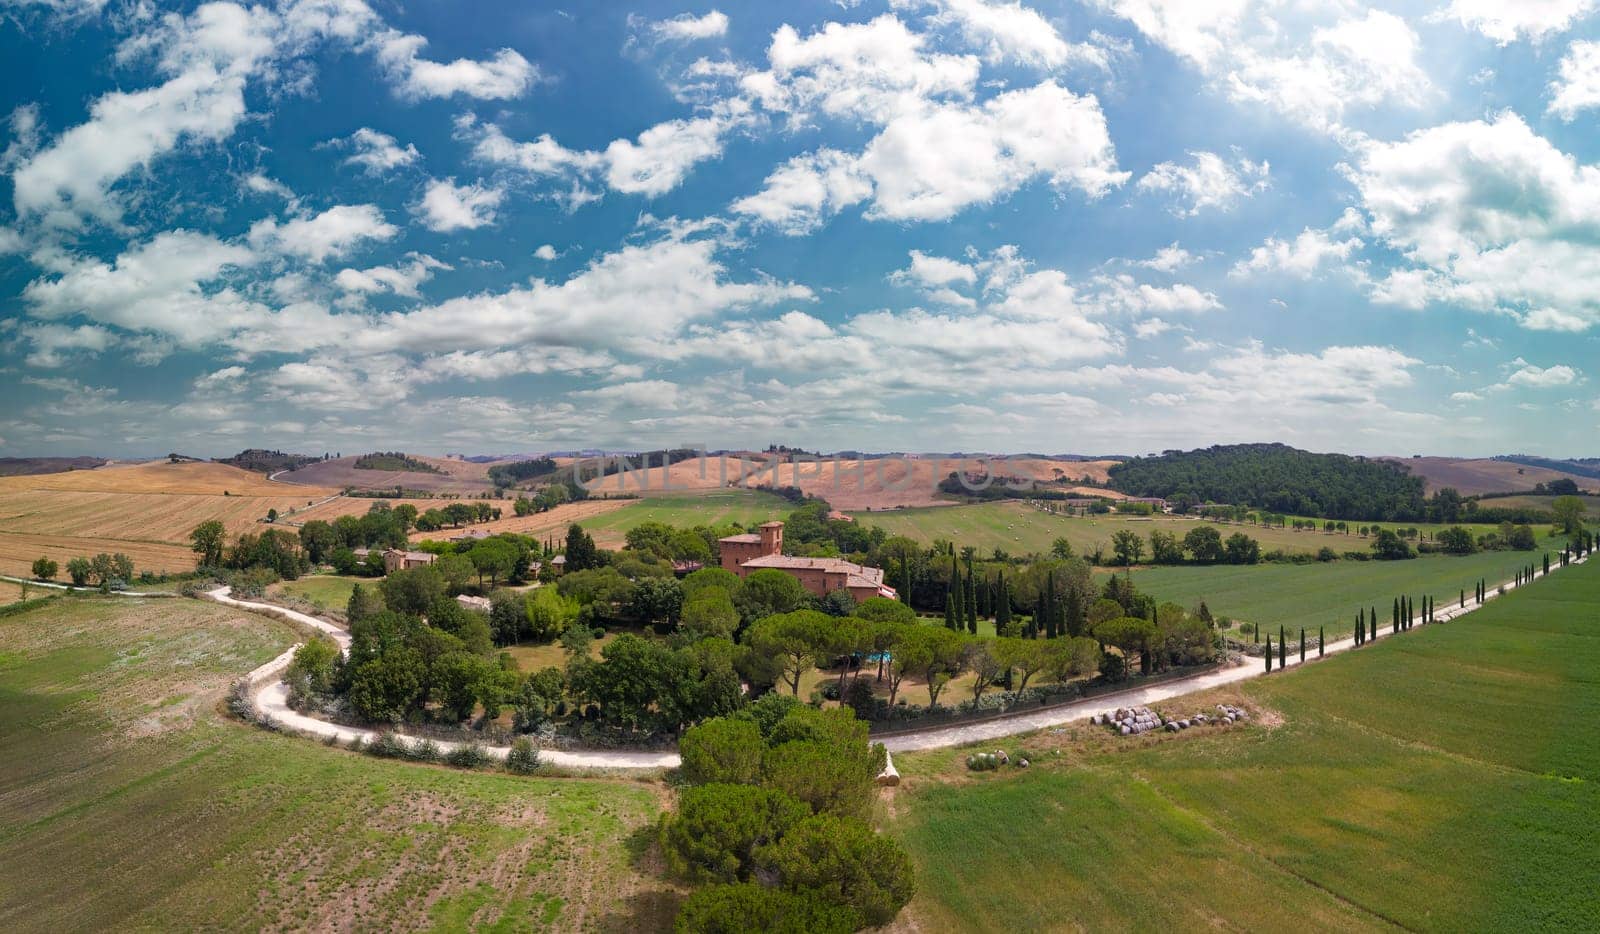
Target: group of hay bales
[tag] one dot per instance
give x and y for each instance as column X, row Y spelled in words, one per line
column 1131, row 721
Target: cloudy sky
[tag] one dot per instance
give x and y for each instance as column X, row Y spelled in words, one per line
column 1069, row 226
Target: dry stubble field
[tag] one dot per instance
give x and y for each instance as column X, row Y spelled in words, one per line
column 145, row 511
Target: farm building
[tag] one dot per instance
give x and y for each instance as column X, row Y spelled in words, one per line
column 742, row 554
column 396, row 560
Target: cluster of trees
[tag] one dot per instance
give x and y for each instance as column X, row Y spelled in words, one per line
column 394, row 460
column 103, row 570
column 1278, row 478
column 274, row 551
column 1457, row 540
column 772, row 823
column 415, row 654
column 1200, row 545
column 518, row 472
column 549, row 497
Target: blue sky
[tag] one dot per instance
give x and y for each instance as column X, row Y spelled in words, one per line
column 1109, row 226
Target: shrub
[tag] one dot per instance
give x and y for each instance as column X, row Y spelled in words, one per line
column 468, row 755
column 523, row 759
column 239, row 702
column 387, row 746
column 425, row 751
column 983, row 762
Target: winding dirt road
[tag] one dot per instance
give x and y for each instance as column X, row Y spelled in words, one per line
column 269, row 695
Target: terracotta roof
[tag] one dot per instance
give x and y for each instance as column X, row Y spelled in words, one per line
column 858, row 576
column 744, row 539
column 411, row 555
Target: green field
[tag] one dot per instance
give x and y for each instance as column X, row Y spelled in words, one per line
column 720, row 507
column 1329, row 593
column 1021, row 529
column 1445, row 780
column 127, row 801
column 329, row 591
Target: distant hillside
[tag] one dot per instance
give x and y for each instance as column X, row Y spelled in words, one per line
column 262, row 460
column 394, row 461
column 1583, row 467
column 1477, row 476
column 1279, row 478
column 28, row 466
column 444, row 476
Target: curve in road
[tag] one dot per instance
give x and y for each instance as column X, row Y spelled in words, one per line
column 269, row 697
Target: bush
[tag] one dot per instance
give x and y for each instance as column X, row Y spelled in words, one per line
column 251, row 582
column 468, row 755
column 388, row 746
column 425, row 751
column 239, row 702
column 523, row 759
column 983, row 762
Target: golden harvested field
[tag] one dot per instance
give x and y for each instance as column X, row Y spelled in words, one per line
column 18, row 551
column 538, row 525
column 162, row 477
column 881, row 483
column 145, row 511
column 155, row 517
column 11, row 593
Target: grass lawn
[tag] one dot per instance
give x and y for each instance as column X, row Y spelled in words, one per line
column 532, row 656
column 1327, row 593
column 329, row 591
column 127, row 801
column 686, row 510
column 1445, row 781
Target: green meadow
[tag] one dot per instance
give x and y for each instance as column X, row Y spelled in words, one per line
column 128, row 801
column 1021, row 529
column 1328, row 593
column 329, row 591
column 1445, row 780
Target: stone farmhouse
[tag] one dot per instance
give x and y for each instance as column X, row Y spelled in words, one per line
column 742, row 554
column 396, row 560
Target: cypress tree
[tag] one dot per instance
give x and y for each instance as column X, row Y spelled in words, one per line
column 1071, row 621
column 1046, row 610
column 971, row 602
column 1002, row 607
column 1269, row 655
column 1463, row 598
column 1372, row 625
column 1547, row 564
column 1395, row 626
column 949, row 609
column 1302, row 644
column 1319, row 641
column 1283, row 650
